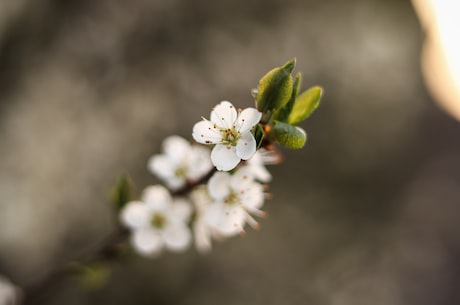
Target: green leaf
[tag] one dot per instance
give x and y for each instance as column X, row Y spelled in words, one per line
column 292, row 137
column 123, row 191
column 304, row 105
column 259, row 135
column 284, row 112
column 275, row 88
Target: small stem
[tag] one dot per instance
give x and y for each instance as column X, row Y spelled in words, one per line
column 106, row 249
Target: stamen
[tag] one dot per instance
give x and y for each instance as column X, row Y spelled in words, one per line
column 252, row 222
column 258, row 213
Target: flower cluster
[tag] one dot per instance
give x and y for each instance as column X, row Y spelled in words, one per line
column 221, row 208
column 217, row 185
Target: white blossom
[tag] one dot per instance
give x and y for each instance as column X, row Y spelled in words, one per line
column 157, row 221
column 230, row 131
column 180, row 162
column 201, row 230
column 9, row 293
column 235, row 197
column 257, row 164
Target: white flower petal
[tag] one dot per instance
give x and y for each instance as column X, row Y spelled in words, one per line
column 219, row 185
column 247, row 119
column 175, row 183
column 156, row 197
column 177, row 237
column 261, row 173
column 147, row 242
column 161, row 166
column 246, row 146
column 180, row 211
column 135, row 215
column 227, row 219
column 224, row 157
column 241, row 178
column 176, row 148
column 199, row 162
column 202, row 234
column 224, row 115
column 206, row 132
column 253, row 196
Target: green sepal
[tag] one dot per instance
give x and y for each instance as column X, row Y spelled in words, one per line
column 290, row 136
column 258, row 135
column 304, row 105
column 93, row 276
column 283, row 113
column 275, row 88
column 123, row 192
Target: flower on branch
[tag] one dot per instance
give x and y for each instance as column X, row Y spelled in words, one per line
column 230, row 131
column 180, row 163
column 257, row 164
column 235, row 198
column 202, row 232
column 157, row 221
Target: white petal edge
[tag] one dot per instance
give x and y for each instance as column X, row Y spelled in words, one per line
column 219, row 185
column 156, row 197
column 202, row 234
column 253, row 196
column 135, row 215
column 161, row 166
column 180, row 211
column 246, row 146
column 147, row 242
column 205, row 132
column 241, row 178
column 224, row 157
column 177, row 237
column 176, row 148
column 247, row 119
column 224, row 114
column 227, row 219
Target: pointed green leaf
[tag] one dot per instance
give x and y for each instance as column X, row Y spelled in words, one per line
column 304, row 105
column 259, row 135
column 292, row 137
column 123, row 191
column 284, row 112
column 275, row 88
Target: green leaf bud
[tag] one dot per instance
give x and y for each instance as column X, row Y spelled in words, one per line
column 275, row 88
column 290, row 136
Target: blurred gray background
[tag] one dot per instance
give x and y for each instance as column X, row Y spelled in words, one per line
column 367, row 213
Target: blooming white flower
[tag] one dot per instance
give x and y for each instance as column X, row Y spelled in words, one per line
column 157, row 222
column 180, row 163
column 230, row 130
column 9, row 293
column 257, row 164
column 202, row 231
column 235, row 197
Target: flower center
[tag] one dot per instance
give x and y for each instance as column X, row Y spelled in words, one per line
column 230, row 136
column 232, row 198
column 158, row 220
column 181, row 172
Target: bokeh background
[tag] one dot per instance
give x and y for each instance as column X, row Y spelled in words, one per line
column 366, row 213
